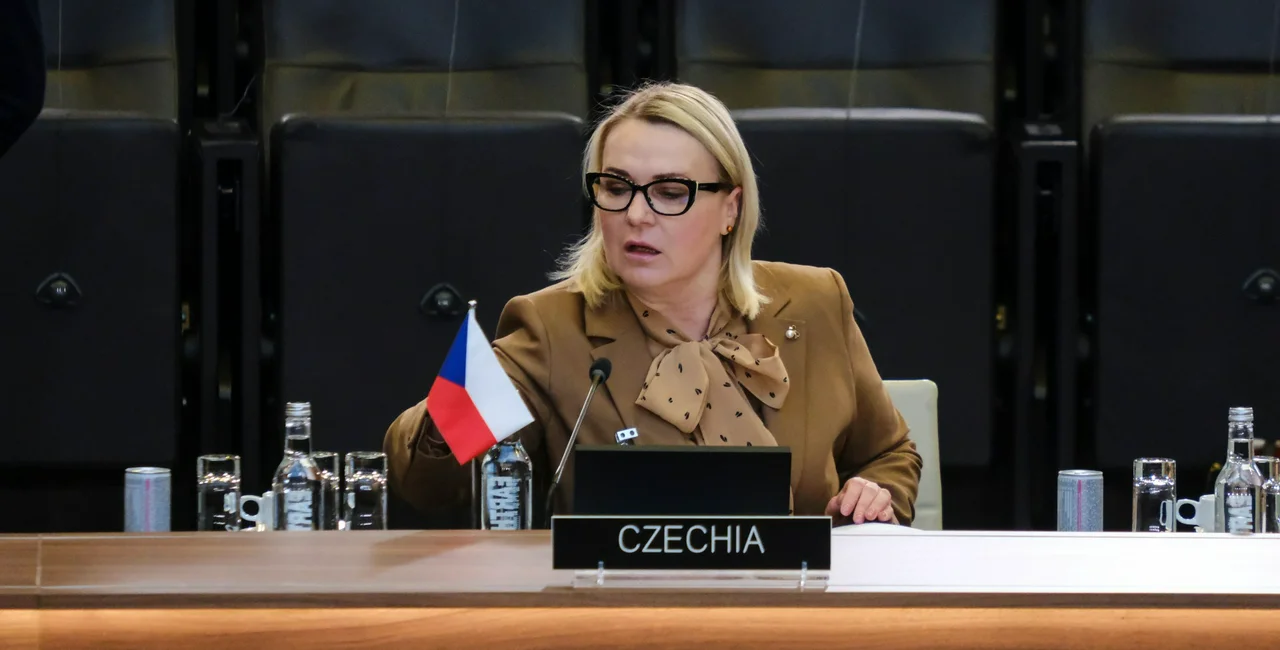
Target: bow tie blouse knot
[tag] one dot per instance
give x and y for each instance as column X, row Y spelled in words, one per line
column 703, row 384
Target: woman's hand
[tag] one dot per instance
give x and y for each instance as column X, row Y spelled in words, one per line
column 861, row 501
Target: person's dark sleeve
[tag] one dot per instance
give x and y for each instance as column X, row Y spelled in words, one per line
column 22, row 73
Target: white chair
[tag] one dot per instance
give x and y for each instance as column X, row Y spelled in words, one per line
column 917, row 400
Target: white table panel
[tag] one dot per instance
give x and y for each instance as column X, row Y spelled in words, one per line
column 893, row 559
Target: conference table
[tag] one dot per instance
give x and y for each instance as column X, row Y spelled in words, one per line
column 888, row 587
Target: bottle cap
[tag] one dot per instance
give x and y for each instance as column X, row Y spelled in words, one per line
column 297, row 409
column 1240, row 414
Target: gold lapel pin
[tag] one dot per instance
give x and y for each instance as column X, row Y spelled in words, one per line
column 792, row 333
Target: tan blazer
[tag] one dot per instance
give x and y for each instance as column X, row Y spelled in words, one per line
column 838, row 419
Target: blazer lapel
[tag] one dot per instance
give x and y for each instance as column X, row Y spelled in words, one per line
column 622, row 342
column 789, row 423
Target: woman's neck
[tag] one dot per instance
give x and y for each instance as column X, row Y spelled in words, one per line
column 689, row 308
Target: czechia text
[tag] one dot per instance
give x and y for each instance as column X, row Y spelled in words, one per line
column 675, row 538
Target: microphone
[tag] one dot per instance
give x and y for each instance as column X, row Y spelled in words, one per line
column 599, row 374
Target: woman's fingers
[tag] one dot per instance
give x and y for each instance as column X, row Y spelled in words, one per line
column 866, row 502
column 880, row 505
column 861, row 500
column 833, row 506
column 852, row 492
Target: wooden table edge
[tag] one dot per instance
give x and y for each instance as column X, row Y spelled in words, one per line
column 629, row 598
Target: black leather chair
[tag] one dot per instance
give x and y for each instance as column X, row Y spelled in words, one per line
column 900, row 202
column 373, row 215
column 1188, row 252
column 1178, row 56
column 89, row 271
column 1182, row 207
column 112, row 56
column 937, row 54
column 396, row 185
column 422, row 57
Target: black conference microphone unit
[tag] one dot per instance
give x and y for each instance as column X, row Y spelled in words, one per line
column 599, row 374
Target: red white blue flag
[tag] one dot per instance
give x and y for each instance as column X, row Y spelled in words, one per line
column 472, row 402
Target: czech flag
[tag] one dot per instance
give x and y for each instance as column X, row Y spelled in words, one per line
column 472, row 402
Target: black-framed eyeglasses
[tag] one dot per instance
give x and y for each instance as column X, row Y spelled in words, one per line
column 667, row 196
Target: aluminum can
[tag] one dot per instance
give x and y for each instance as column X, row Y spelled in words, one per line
column 1080, row 500
column 146, row 499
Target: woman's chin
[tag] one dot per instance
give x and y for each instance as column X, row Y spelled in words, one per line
column 643, row 278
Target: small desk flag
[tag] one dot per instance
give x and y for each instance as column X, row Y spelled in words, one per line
column 473, row 402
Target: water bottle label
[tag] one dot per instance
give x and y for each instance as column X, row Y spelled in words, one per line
column 503, row 502
column 298, row 512
column 1239, row 513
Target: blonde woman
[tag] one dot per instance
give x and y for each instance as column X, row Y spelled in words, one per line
column 708, row 346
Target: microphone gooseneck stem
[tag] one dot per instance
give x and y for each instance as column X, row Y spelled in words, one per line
column 596, row 380
column 548, row 508
column 573, row 437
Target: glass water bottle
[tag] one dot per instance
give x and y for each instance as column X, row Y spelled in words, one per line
column 1238, row 490
column 506, row 487
column 296, row 483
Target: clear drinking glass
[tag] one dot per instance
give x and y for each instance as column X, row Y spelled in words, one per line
column 330, row 465
column 1269, row 467
column 218, row 486
column 1155, row 495
column 366, row 491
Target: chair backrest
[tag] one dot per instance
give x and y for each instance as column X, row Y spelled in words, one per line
column 119, row 56
column 917, row 400
column 389, row 57
column 898, row 201
column 937, row 54
column 1183, row 327
column 406, row 205
column 98, row 372
column 1178, row 56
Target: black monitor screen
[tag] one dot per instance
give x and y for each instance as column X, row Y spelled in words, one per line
column 661, row 480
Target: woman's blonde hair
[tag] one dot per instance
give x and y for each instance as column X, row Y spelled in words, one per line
column 701, row 115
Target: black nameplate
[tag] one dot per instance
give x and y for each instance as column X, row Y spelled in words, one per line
column 683, row 543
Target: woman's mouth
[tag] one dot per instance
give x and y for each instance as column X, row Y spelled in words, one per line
column 637, row 249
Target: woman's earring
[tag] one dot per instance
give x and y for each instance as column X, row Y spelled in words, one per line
column 730, row 230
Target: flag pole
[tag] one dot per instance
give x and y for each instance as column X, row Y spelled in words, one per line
column 474, row 464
